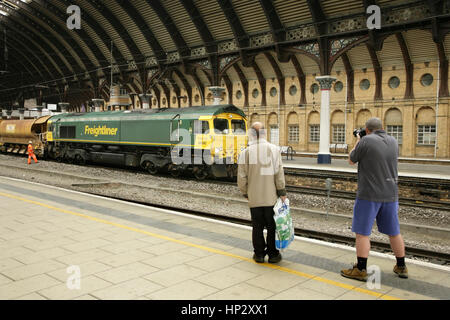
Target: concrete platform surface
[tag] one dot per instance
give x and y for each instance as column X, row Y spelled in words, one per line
column 434, row 171
column 59, row 244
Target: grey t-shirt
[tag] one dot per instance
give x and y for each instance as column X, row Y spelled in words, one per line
column 377, row 156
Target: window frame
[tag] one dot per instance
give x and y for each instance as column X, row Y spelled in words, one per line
column 297, row 133
column 397, row 134
column 337, row 134
column 311, row 126
column 431, row 141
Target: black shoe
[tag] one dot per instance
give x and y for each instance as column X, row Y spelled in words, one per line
column 258, row 259
column 275, row 259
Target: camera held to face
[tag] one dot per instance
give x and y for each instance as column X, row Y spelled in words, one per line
column 360, row 131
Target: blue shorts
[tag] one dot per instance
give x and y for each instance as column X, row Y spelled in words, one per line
column 386, row 214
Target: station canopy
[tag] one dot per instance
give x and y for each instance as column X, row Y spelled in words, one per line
column 163, row 46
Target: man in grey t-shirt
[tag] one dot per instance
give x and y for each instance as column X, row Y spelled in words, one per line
column 377, row 197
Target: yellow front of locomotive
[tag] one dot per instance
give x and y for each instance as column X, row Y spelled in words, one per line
column 229, row 137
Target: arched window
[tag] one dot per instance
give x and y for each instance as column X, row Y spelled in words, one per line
column 394, row 124
column 314, row 127
column 338, row 127
column 293, row 128
column 426, row 126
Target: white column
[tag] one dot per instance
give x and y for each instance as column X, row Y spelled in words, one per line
column 64, row 106
column 145, row 100
column 324, row 156
column 217, row 94
column 98, row 103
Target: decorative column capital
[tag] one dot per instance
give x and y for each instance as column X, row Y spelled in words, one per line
column 325, row 82
column 217, row 94
column 144, row 98
column 98, row 104
column 64, row 106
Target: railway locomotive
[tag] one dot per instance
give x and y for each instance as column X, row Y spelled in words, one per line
column 204, row 141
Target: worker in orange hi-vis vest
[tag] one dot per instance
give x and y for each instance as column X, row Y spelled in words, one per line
column 31, row 153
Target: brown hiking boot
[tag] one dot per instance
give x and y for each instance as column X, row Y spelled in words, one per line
column 355, row 273
column 401, row 271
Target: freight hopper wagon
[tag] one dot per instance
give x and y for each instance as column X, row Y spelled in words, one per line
column 15, row 135
column 205, row 141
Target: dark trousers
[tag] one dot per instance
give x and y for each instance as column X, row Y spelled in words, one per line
column 262, row 217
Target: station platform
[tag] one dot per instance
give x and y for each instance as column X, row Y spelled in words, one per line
column 431, row 170
column 60, row 244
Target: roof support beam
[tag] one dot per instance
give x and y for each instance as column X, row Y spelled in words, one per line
column 262, row 82
column 409, row 67
column 443, row 76
column 207, row 38
column 105, row 38
column 138, row 56
column 279, row 76
column 53, row 29
column 25, row 27
column 157, row 49
column 157, row 95
column 62, row 15
column 186, row 85
column 229, row 86
column 39, row 49
column 200, row 87
column 378, row 73
column 375, row 41
column 350, row 78
column 244, row 83
column 436, row 8
column 321, row 27
column 242, row 38
column 277, row 29
column 30, row 56
column 182, row 48
column 301, row 78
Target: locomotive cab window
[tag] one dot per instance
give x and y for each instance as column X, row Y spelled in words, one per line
column 221, row 126
column 67, row 132
column 238, row 126
column 201, row 127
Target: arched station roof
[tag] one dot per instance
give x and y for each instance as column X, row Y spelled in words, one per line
column 163, row 45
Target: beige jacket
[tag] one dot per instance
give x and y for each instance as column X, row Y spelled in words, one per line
column 261, row 174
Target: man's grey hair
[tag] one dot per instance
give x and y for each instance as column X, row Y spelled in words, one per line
column 374, row 124
column 257, row 131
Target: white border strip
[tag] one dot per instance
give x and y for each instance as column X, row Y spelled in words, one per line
column 315, row 241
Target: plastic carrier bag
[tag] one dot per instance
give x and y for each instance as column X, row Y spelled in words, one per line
column 283, row 221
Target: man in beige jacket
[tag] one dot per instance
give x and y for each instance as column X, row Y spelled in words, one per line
column 261, row 181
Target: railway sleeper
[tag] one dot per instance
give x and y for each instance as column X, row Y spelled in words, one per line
column 436, row 193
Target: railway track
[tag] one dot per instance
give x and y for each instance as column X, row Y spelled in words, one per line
column 351, row 176
column 342, row 194
column 423, row 203
column 411, row 252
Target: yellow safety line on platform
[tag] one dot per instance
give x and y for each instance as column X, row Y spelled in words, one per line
column 224, row 253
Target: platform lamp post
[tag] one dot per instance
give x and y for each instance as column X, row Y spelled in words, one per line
column 324, row 156
column 217, row 94
column 64, row 106
column 98, row 104
column 144, row 99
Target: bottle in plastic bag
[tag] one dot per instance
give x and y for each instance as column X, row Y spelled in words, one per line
column 283, row 221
